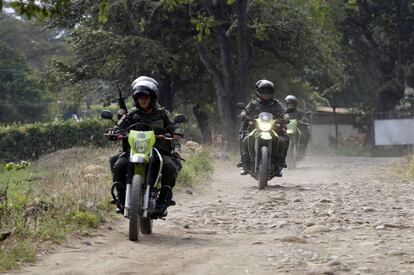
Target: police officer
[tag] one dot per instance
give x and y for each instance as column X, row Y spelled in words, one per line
column 265, row 102
column 147, row 110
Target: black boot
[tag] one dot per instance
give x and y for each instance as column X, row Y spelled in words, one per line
column 279, row 172
column 243, row 172
column 164, row 200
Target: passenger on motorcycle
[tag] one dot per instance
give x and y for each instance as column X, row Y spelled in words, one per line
column 303, row 125
column 265, row 102
column 147, row 110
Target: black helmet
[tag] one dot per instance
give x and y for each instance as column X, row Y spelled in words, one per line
column 265, row 87
column 291, row 99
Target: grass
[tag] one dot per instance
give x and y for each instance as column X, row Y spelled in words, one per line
column 51, row 199
column 405, row 169
column 197, row 167
column 57, row 196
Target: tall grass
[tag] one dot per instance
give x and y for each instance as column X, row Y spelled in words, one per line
column 66, row 192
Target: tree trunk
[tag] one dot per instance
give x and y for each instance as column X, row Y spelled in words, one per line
column 224, row 99
column 243, row 51
column 166, row 92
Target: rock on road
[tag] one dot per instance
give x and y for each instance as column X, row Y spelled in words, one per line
column 333, row 215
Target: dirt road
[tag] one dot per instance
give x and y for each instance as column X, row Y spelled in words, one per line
column 330, row 216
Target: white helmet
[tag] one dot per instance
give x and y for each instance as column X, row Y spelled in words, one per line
column 146, row 81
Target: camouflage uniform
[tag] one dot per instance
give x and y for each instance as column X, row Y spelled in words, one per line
column 253, row 109
column 160, row 120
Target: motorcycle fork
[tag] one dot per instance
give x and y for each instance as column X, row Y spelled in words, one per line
column 270, row 146
column 130, row 174
column 147, row 186
column 256, row 157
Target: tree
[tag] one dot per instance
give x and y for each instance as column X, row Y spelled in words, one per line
column 237, row 43
column 269, row 33
column 378, row 36
column 22, row 98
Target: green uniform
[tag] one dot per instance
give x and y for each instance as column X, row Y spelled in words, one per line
column 253, row 109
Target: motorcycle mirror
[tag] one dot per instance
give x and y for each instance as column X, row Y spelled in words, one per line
column 240, row 105
column 106, row 114
column 180, row 119
column 290, row 110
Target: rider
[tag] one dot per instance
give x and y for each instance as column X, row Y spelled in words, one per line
column 303, row 125
column 264, row 103
column 147, row 110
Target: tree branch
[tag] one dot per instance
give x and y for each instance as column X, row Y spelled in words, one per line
column 205, row 59
column 128, row 5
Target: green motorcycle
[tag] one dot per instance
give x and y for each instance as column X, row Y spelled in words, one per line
column 144, row 174
column 295, row 137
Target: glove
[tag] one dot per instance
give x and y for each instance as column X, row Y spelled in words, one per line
column 243, row 115
column 110, row 134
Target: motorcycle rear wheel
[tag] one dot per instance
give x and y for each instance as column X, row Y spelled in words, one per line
column 135, row 216
column 263, row 176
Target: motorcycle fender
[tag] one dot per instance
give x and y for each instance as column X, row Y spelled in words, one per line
column 266, row 135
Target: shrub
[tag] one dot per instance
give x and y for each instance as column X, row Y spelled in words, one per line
column 196, row 168
column 29, row 141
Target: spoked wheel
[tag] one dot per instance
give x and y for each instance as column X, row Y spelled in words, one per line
column 263, row 176
column 135, row 216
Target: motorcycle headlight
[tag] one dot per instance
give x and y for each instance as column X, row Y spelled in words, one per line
column 265, row 125
column 141, row 146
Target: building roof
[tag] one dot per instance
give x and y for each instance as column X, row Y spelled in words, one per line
column 339, row 110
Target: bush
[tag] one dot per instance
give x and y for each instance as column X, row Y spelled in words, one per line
column 196, row 168
column 29, row 141
column 83, row 218
column 20, row 252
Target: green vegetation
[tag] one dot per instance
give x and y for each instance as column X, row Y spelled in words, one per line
column 66, row 192
column 405, row 169
column 29, row 141
column 49, row 200
column 197, row 167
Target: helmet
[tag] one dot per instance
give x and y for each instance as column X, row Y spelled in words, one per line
column 291, row 99
column 265, row 87
column 144, row 78
column 258, row 83
column 145, row 85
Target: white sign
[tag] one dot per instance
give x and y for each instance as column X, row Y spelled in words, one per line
column 394, row 131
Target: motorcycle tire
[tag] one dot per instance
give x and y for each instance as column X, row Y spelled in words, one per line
column 135, row 207
column 263, row 168
column 146, row 226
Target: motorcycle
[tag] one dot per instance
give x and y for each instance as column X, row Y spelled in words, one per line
column 144, row 174
column 296, row 137
column 263, row 145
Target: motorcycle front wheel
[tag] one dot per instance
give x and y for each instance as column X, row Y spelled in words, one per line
column 263, row 176
column 135, row 207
